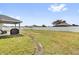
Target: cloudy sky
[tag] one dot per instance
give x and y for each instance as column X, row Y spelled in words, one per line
column 42, row 13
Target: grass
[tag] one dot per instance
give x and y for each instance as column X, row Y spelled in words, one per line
column 57, row 42
column 16, row 44
column 53, row 42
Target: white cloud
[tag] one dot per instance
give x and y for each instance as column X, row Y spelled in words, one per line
column 58, row 7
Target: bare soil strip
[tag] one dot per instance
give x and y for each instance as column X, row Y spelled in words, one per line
column 38, row 46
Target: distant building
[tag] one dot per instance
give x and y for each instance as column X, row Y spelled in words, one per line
column 62, row 23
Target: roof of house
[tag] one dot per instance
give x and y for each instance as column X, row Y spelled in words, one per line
column 9, row 20
column 63, row 24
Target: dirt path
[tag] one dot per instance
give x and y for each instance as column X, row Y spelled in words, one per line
column 38, row 46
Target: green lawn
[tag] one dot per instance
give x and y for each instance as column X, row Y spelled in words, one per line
column 16, row 44
column 53, row 42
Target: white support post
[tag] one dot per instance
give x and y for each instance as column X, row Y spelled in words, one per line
column 19, row 28
column 1, row 25
column 15, row 25
column 19, row 25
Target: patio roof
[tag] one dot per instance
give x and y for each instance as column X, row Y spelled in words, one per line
column 9, row 20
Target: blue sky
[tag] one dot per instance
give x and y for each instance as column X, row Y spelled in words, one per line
column 41, row 13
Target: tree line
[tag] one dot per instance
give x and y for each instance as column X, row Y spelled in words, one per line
column 57, row 23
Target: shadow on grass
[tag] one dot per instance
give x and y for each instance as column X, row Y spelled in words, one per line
column 10, row 36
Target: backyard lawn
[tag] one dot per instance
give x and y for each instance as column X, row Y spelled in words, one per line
column 53, row 42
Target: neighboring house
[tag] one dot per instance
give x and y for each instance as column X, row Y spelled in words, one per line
column 62, row 23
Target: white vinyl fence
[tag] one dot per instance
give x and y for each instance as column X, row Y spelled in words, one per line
column 69, row 29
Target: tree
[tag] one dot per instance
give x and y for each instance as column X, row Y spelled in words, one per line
column 34, row 25
column 26, row 26
column 43, row 25
column 74, row 25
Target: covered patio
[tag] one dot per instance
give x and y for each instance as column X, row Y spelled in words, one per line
column 9, row 20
